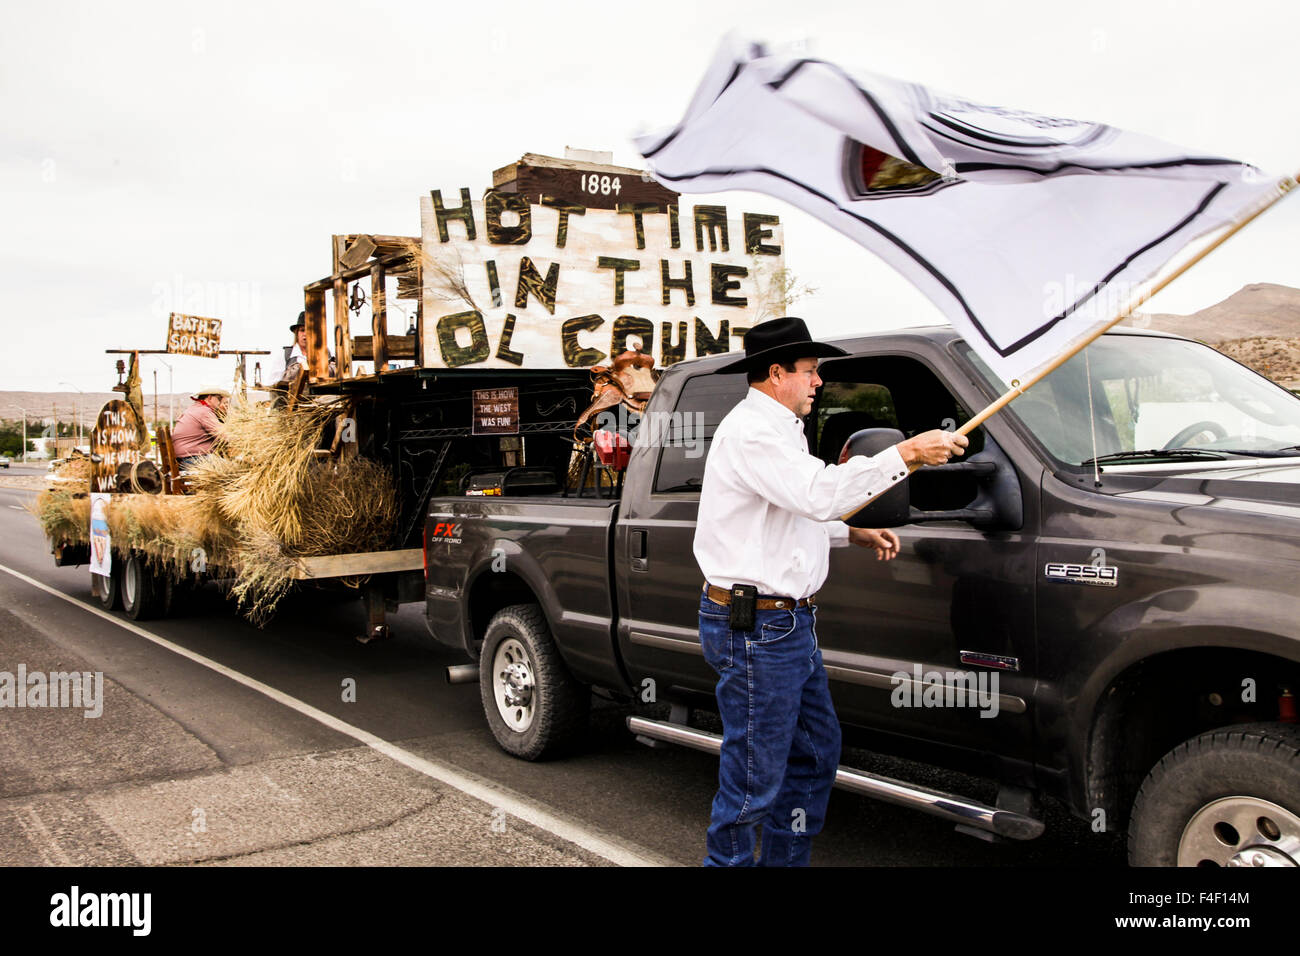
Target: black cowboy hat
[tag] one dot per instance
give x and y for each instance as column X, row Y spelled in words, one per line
column 779, row 340
column 302, row 320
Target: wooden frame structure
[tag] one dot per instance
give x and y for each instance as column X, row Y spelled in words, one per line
column 393, row 256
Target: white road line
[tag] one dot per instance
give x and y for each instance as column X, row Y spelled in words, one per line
column 40, row 837
column 496, row 797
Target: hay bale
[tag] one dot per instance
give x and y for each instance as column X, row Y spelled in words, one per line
column 75, row 469
column 258, row 505
column 268, row 501
column 64, row 515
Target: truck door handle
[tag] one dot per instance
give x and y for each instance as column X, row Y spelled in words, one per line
column 638, row 548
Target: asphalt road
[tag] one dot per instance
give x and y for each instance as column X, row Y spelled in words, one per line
column 261, row 761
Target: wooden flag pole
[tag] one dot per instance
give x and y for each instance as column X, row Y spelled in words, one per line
column 1284, row 186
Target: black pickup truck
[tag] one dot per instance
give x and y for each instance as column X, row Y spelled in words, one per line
column 1100, row 602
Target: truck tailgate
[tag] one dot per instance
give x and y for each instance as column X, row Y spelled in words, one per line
column 556, row 548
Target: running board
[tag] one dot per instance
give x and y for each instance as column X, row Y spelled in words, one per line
column 1005, row 823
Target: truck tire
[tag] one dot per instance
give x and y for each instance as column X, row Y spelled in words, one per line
column 533, row 705
column 145, row 593
column 1230, row 797
column 107, row 589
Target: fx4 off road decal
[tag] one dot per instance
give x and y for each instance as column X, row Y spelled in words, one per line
column 446, row 533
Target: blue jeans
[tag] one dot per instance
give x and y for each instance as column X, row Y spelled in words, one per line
column 780, row 736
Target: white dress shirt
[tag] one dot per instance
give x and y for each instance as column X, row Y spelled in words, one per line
column 769, row 511
column 277, row 365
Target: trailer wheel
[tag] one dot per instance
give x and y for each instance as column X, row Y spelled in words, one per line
column 145, row 594
column 106, row 589
column 533, row 705
column 1230, row 797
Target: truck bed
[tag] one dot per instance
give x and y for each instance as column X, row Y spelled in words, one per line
column 477, row 556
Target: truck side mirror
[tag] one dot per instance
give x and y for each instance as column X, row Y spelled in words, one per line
column 893, row 508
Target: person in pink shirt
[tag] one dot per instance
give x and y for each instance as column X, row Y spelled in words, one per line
column 200, row 425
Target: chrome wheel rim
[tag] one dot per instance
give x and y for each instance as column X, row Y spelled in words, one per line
column 130, row 582
column 1241, row 831
column 513, row 684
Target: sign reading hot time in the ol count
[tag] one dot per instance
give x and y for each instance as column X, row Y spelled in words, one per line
column 510, row 283
column 496, row 411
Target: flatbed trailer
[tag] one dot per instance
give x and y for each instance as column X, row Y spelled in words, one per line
column 418, row 423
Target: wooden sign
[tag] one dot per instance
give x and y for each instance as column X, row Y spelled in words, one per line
column 115, row 439
column 513, row 284
column 594, row 185
column 496, row 411
column 193, row 335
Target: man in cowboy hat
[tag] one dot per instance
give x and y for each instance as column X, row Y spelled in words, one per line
column 199, row 426
column 283, row 368
column 768, row 518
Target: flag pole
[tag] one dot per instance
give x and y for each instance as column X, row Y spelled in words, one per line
column 1284, row 186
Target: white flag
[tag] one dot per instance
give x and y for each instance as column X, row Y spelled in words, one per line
column 1027, row 231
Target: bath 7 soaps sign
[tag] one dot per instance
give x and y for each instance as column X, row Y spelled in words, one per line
column 512, row 284
column 193, row 335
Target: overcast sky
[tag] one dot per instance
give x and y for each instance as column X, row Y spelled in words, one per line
column 150, row 150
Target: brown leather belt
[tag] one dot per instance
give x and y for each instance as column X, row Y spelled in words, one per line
column 723, row 596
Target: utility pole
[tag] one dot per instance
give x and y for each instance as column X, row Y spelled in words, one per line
column 171, row 390
column 76, row 412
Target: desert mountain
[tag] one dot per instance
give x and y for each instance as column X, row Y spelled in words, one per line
column 1258, row 325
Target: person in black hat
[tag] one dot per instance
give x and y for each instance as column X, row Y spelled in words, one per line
column 295, row 356
column 768, row 517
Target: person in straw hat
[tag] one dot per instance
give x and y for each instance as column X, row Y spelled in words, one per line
column 199, row 425
column 768, row 518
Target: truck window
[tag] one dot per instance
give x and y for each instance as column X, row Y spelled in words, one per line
column 888, row 391
column 847, row 407
column 688, row 431
column 1150, row 392
column 893, row 391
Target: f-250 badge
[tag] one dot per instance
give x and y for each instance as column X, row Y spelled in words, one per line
column 1105, row 576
